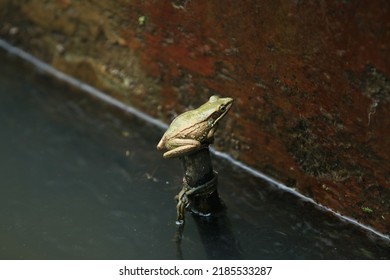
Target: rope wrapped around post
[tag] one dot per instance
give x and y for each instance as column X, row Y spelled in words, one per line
column 184, row 196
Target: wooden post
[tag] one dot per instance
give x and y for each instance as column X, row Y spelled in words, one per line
column 200, row 197
column 201, row 182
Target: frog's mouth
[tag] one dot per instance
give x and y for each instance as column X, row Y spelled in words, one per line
column 228, row 106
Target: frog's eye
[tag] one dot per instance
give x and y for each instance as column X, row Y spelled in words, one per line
column 222, row 108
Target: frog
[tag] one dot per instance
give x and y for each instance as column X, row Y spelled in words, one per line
column 194, row 129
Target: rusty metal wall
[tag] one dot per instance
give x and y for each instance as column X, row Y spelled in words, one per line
column 310, row 79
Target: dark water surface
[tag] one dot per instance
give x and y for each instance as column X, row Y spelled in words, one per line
column 80, row 181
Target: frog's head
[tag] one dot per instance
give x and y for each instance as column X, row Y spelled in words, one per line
column 216, row 108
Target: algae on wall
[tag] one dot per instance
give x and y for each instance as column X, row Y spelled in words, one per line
column 83, row 39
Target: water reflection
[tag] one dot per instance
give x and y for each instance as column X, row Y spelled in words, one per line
column 218, row 237
column 80, row 181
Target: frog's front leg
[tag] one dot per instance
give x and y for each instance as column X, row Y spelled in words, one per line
column 181, row 147
column 210, row 134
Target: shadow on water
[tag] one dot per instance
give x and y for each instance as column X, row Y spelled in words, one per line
column 218, row 237
column 83, row 181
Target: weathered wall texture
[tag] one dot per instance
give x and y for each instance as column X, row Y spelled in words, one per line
column 310, row 79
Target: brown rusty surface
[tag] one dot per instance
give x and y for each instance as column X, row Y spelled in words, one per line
column 310, row 79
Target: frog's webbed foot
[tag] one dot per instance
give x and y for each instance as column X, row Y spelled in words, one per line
column 209, row 140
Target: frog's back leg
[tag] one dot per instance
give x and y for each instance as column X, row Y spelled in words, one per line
column 181, row 147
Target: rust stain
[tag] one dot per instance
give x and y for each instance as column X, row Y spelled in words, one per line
column 310, row 80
